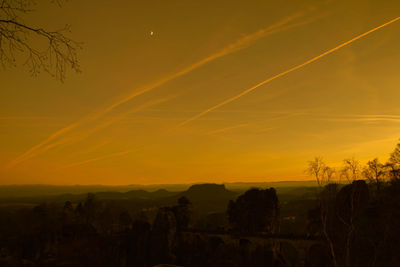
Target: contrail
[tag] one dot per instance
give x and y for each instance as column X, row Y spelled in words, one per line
column 94, row 148
column 227, row 128
column 245, row 92
column 47, row 146
column 367, row 118
column 99, row 158
column 118, row 118
column 49, row 139
column 235, row 46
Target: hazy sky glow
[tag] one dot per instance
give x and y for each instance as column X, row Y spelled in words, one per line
column 156, row 108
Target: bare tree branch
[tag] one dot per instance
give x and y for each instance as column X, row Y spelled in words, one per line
column 58, row 53
column 351, row 169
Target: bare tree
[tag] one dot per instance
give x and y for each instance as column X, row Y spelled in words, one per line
column 393, row 164
column 351, row 200
column 328, row 174
column 374, row 172
column 395, row 155
column 351, row 169
column 41, row 49
column 323, row 174
column 316, row 168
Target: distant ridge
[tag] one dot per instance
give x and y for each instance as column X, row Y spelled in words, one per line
column 244, row 185
column 34, row 190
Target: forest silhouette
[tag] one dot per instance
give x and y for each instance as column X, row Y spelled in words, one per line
column 350, row 218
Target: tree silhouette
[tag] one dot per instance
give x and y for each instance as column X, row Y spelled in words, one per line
column 163, row 236
column 256, row 210
column 351, row 169
column 125, row 220
column 316, row 168
column 374, row 172
column 56, row 51
column 395, row 155
column 322, row 173
column 182, row 212
column 394, row 163
column 351, row 201
column 327, row 208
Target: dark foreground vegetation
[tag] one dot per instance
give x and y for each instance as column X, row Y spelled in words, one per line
column 352, row 223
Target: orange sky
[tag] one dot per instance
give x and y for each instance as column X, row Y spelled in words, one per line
column 133, row 114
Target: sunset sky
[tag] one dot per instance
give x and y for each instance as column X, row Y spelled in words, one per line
column 151, row 68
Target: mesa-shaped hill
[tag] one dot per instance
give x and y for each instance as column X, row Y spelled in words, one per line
column 200, row 192
column 208, row 198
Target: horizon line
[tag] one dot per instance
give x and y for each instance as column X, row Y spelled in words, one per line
column 160, row 184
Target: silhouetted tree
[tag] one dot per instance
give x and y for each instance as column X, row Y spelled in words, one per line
column 68, row 206
column 340, row 216
column 323, row 174
column 139, row 243
column 374, row 172
column 79, row 212
column 106, row 220
column 395, row 155
column 163, row 236
column 329, row 174
column 125, row 220
column 394, row 163
column 256, row 210
column 90, row 208
column 67, row 213
column 351, row 169
column 316, row 168
column 351, row 202
column 17, row 37
column 327, row 208
column 183, row 213
column 377, row 237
